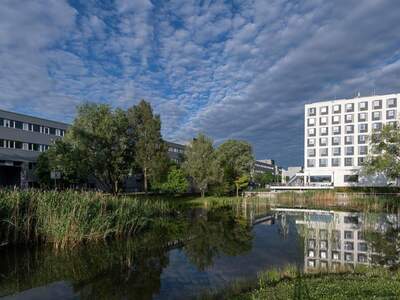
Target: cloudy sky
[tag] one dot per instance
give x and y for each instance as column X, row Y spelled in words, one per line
column 231, row 69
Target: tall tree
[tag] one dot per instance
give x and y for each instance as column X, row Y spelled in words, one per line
column 236, row 160
column 105, row 143
column 384, row 155
column 200, row 163
column 150, row 149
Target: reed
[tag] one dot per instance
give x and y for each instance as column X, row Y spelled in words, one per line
column 71, row 217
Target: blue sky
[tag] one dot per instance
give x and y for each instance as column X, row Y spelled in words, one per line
column 230, row 69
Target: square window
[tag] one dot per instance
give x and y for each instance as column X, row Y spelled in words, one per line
column 392, row 102
column 349, row 107
column 362, row 139
column 336, row 130
column 312, row 111
column 323, row 110
column 362, row 128
column 363, row 247
column 363, row 150
column 363, row 106
column 336, row 140
column 311, row 243
column 323, row 141
column 336, row 162
column 323, row 254
column 348, row 235
column 349, row 150
column 349, row 129
column 311, row 132
column 362, row 258
column 336, row 108
column 311, row 152
column 323, row 151
column 348, row 256
column 336, row 119
column 349, row 246
column 310, row 163
column 311, row 122
column 377, row 104
column 311, row 263
column 323, row 162
column 390, row 114
column 323, row 244
column 348, row 162
column 362, row 117
column 311, row 253
column 361, row 161
column 348, row 140
column 376, row 116
column 311, row 142
column 348, row 118
column 323, row 121
column 323, row 131
column 336, row 151
column 335, row 255
column 377, row 126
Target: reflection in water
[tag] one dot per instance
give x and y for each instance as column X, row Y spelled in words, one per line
column 202, row 249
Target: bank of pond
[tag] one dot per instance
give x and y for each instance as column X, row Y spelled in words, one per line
column 84, row 245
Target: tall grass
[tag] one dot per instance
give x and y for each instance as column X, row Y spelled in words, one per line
column 71, row 217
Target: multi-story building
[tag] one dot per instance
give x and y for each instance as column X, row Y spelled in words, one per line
column 336, row 138
column 23, row 138
column 266, row 165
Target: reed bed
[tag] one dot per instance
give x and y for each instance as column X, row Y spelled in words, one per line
column 71, row 217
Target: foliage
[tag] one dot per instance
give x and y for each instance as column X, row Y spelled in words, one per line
column 235, row 158
column 200, row 163
column 265, row 178
column 384, row 155
column 150, row 149
column 241, row 183
column 176, row 182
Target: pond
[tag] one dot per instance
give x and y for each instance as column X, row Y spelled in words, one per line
column 204, row 249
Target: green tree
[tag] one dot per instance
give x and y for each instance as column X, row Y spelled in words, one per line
column 241, row 183
column 265, row 178
column 235, row 159
column 43, row 169
column 150, row 149
column 104, row 143
column 384, row 156
column 176, row 182
column 200, row 163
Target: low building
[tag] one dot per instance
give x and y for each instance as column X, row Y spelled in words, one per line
column 266, row 165
column 290, row 173
column 23, row 138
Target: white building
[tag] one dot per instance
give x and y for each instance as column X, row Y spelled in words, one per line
column 336, row 138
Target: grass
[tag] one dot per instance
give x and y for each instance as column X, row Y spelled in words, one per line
column 70, row 217
column 288, row 283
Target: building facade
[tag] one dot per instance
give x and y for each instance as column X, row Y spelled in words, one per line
column 266, row 165
column 336, row 141
column 23, row 138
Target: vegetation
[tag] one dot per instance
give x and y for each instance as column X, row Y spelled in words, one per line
column 70, row 217
column 241, row 183
column 384, row 155
column 176, row 182
column 150, row 149
column 200, row 163
column 262, row 179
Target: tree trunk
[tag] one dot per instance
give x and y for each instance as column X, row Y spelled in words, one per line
column 145, row 180
column 237, row 191
column 202, row 193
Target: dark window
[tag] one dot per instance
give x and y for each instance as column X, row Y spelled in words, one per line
column 18, row 145
column 18, row 124
column 52, row 131
column 36, row 128
column 350, row 178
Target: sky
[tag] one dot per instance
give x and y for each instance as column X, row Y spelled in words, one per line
column 229, row 69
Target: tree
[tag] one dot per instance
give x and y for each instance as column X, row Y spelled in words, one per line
column 200, row 163
column 384, row 156
column 176, row 182
column 265, row 178
column 104, row 143
column 241, row 183
column 235, row 159
column 150, row 149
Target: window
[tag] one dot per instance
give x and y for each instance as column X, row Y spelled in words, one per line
column 348, row 235
column 362, row 258
column 348, row 246
column 323, row 121
column 362, row 128
column 311, row 152
column 25, row 126
column 311, row 253
column 323, row 141
column 377, row 126
column 349, row 150
column 323, row 110
column 336, row 119
column 336, row 162
column 336, row 130
column 323, row 131
column 362, row 117
column 25, row 146
column 336, row 108
column 349, row 129
column 362, row 247
column 348, row 118
column 336, row 151
column 348, row 162
column 336, row 140
column 311, row 122
column 311, row 243
column 18, row 125
column 363, row 106
column 312, row 111
column 377, row 104
column 392, row 123
column 311, row 131
column 323, row 152
column 323, row 244
column 390, row 114
column 335, row 255
column 310, row 142
column 349, row 107
column 348, row 140
column 323, row 254
column 361, row 161
column 323, row 162
column 376, row 116
column 6, row 123
column 311, row 163
column 351, row 179
column 392, row 102
column 35, row 128
column 348, row 256
column 362, row 139
column 363, row 150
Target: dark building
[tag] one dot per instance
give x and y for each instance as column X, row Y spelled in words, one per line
column 266, row 165
column 23, row 138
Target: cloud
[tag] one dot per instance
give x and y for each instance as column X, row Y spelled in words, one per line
column 231, row 69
